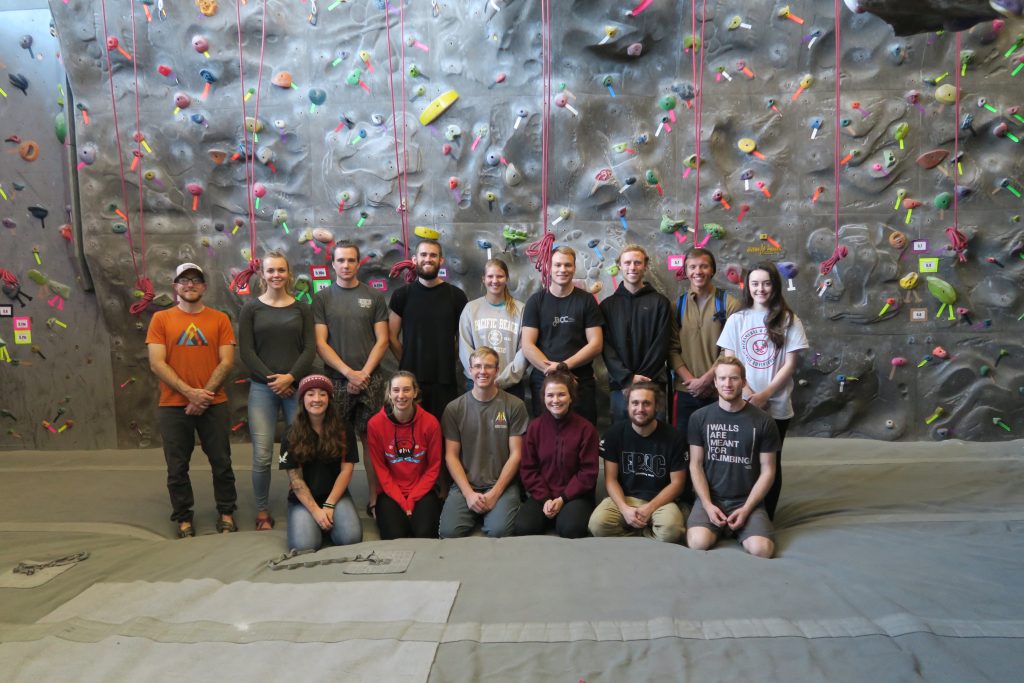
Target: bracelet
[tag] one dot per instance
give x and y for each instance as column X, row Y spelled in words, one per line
column 328, row 506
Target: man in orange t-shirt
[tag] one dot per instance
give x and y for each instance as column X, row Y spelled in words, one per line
column 191, row 350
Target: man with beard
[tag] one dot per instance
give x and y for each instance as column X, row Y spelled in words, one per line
column 351, row 325
column 644, row 472
column 700, row 316
column 562, row 331
column 424, row 329
column 637, row 330
column 732, row 463
column 191, row 350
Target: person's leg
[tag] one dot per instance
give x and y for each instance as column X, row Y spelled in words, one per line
column 263, row 408
column 701, row 534
column 758, row 535
column 571, row 522
column 617, row 405
column 347, row 528
column 426, row 516
column 392, row 520
column 686, row 405
column 367, row 404
column 771, row 499
column 456, row 520
column 666, row 524
column 177, row 431
column 606, row 520
column 536, row 395
column 530, row 519
column 303, row 531
column 501, row 520
column 586, row 399
column 214, row 433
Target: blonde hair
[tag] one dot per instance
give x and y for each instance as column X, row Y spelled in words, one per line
column 566, row 251
column 510, row 303
column 633, row 247
column 289, row 281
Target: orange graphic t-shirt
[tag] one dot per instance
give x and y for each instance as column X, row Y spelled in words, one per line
column 193, row 342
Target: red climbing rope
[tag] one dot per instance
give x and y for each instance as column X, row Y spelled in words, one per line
column 142, row 281
column 8, row 277
column 405, row 267
column 840, row 251
column 241, row 280
column 698, row 84
column 539, row 252
column 957, row 238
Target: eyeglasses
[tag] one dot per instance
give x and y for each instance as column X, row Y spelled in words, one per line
column 190, row 281
column 480, row 366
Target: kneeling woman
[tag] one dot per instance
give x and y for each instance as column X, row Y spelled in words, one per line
column 319, row 471
column 405, row 448
column 559, row 465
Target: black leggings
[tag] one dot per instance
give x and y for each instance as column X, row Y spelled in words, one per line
column 570, row 522
column 394, row 523
column 771, row 500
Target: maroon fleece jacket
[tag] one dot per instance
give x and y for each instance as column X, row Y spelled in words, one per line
column 559, row 458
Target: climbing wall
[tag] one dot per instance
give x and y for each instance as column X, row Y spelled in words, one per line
column 55, row 364
column 914, row 325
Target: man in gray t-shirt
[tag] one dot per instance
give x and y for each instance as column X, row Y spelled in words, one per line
column 483, row 436
column 351, row 325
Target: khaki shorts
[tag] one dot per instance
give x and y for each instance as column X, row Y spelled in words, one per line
column 757, row 524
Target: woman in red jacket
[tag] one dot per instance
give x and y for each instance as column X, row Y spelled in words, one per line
column 405, row 449
column 559, row 465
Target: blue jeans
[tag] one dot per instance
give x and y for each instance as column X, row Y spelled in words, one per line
column 264, row 406
column 457, row 520
column 304, row 534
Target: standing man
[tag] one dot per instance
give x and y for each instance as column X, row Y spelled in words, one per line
column 637, row 331
column 191, row 350
column 424, row 329
column 351, row 325
column 700, row 317
column 644, row 472
column 483, row 440
column 562, row 331
column 732, row 462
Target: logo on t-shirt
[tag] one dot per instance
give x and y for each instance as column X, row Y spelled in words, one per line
column 192, row 336
column 365, row 303
column 500, row 421
column 563, row 320
column 643, row 464
column 495, row 338
column 757, row 348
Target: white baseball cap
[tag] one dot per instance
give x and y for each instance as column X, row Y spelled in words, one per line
column 185, row 267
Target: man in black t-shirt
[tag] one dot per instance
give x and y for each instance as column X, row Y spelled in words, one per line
column 424, row 329
column 562, row 331
column 732, row 464
column 644, row 472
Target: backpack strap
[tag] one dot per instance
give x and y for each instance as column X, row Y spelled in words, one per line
column 720, row 313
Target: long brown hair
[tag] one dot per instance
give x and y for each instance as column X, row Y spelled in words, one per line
column 510, row 303
column 780, row 315
column 307, row 446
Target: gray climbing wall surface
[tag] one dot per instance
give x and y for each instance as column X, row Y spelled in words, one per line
column 621, row 169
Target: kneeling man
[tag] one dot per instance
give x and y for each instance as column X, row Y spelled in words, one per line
column 732, row 465
column 644, row 472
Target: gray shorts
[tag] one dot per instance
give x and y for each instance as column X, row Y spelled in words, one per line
column 757, row 524
column 357, row 409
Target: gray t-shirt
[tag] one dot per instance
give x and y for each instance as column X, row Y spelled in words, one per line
column 733, row 443
column 349, row 315
column 483, row 428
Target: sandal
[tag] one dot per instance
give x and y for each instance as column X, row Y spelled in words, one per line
column 264, row 522
column 226, row 526
column 186, row 530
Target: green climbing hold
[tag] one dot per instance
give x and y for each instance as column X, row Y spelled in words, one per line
column 669, row 225
column 667, row 102
column 514, row 235
column 715, row 230
column 943, row 200
column 60, row 127
column 941, row 290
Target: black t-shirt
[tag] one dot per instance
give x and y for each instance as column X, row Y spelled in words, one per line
column 430, row 329
column 733, row 443
column 645, row 461
column 562, row 323
column 319, row 473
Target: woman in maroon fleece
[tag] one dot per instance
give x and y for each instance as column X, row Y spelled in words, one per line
column 405, row 448
column 559, row 465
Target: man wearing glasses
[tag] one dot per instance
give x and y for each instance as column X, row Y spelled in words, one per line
column 483, row 437
column 191, row 350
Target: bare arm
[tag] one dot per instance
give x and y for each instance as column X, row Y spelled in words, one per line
column 764, row 482
column 592, row 349
column 508, row 471
column 298, row 486
column 394, row 330
column 668, row 494
column 701, row 488
column 328, row 354
column 226, row 354
column 167, row 375
column 533, row 354
column 452, row 451
column 614, row 488
column 382, row 333
column 782, row 377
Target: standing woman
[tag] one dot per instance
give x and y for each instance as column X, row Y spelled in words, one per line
column 277, row 344
column 559, row 465
column 319, row 471
column 767, row 337
column 405, row 448
column 495, row 320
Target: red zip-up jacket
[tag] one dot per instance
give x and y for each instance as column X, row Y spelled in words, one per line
column 559, row 458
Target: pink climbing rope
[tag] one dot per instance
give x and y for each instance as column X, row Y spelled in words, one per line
column 956, row 238
column 405, row 267
column 241, row 280
column 698, row 83
column 539, row 252
column 142, row 281
column 840, row 250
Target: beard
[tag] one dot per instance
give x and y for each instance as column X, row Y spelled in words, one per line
column 421, row 272
column 642, row 421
